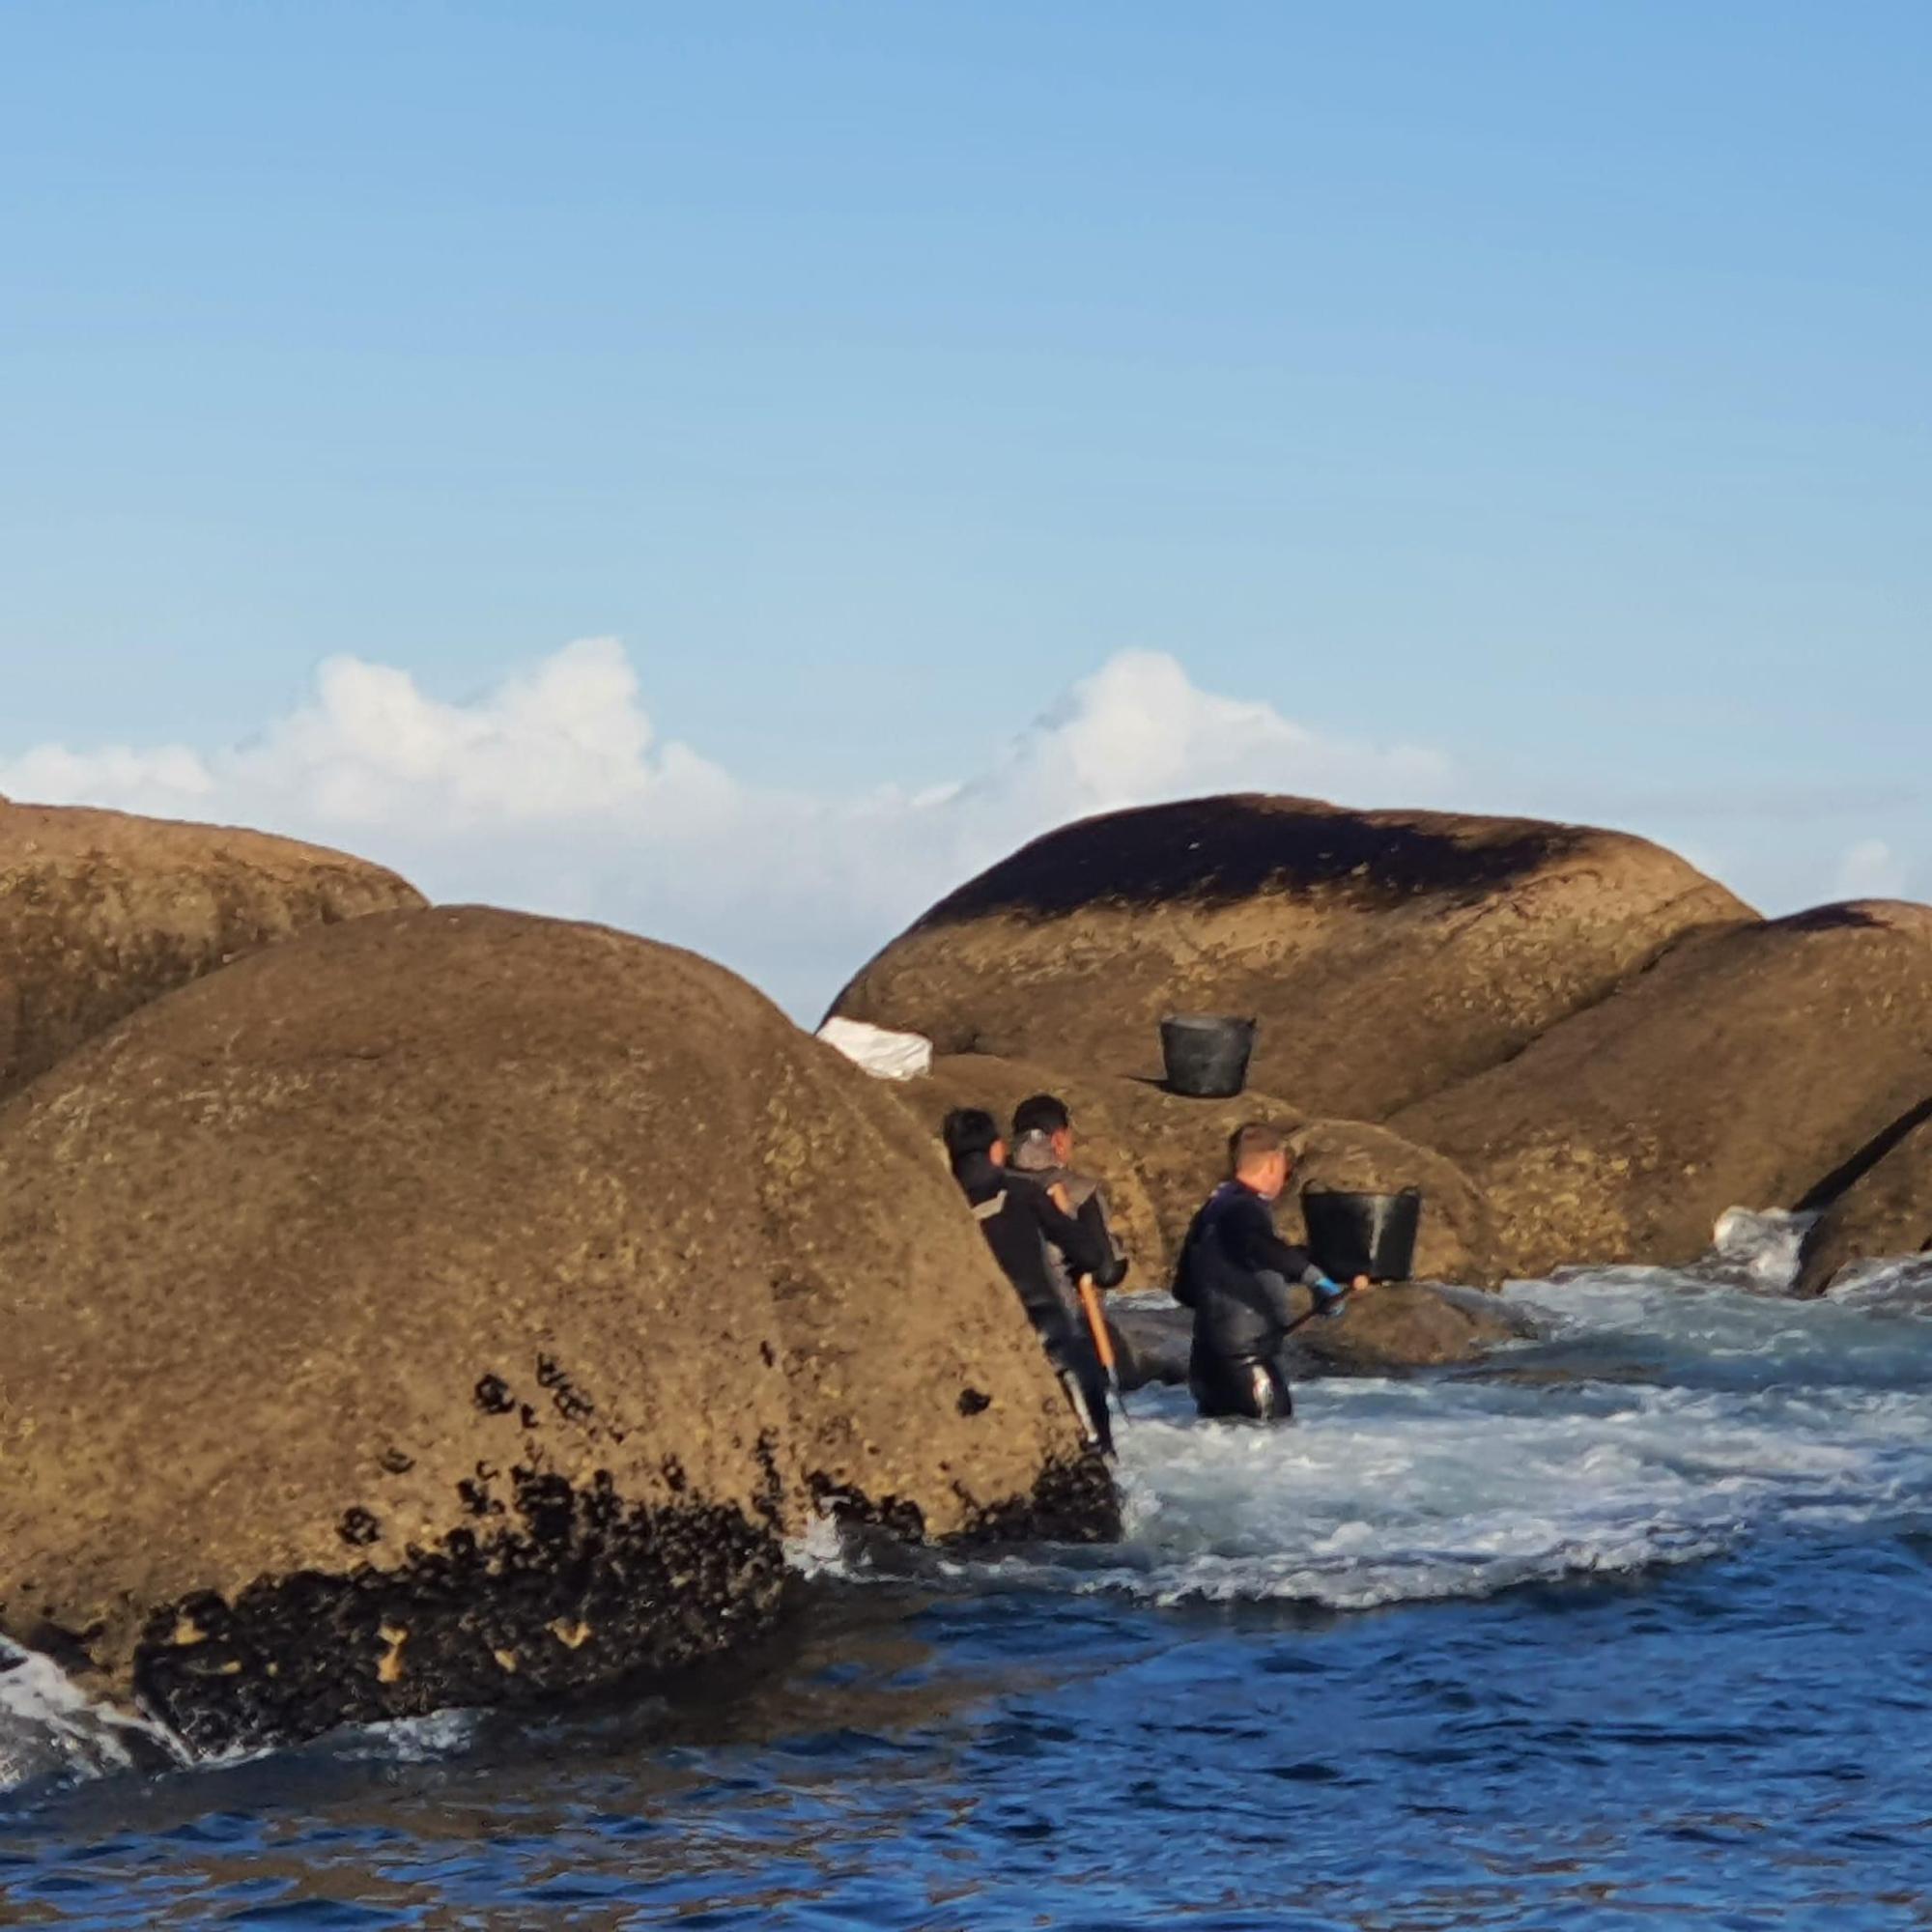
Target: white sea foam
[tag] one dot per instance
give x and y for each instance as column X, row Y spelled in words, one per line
column 819, row 1550
column 1900, row 1287
column 51, row 1731
column 1663, row 1418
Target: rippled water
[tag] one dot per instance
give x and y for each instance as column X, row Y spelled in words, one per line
column 1631, row 1628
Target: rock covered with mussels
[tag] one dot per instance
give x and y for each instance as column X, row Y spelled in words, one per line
column 455, row 1307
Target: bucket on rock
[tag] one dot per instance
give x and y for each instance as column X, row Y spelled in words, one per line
column 1350, row 1234
column 1207, row 1054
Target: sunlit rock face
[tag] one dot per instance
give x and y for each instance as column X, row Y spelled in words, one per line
column 102, row 911
column 1386, row 955
column 1753, row 1068
column 456, row 1307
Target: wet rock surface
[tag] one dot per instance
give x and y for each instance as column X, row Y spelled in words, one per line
column 1386, row 955
column 102, row 911
column 454, row 1306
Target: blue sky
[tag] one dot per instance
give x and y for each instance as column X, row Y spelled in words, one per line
column 1542, row 385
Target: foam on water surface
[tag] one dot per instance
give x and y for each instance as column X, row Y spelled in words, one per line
column 1662, row 1418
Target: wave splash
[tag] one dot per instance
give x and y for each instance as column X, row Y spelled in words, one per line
column 53, row 1733
column 1663, row 1416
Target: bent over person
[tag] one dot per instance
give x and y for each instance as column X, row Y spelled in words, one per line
column 1030, row 1237
column 1238, row 1276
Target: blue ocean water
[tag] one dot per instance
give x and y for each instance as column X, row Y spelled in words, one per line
column 1631, row 1627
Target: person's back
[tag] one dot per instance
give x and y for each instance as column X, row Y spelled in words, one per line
column 1026, row 1229
column 1239, row 1277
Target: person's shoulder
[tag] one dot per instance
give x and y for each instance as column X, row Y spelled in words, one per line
column 1241, row 1204
column 1030, row 1190
column 1081, row 1188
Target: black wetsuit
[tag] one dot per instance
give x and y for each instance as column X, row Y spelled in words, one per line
column 1238, row 1276
column 1082, row 1196
column 1025, row 1231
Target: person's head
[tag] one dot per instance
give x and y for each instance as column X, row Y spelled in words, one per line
column 1046, row 1114
column 971, row 1131
column 1258, row 1157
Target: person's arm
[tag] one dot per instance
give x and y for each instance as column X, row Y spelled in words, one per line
column 1182, row 1287
column 1263, row 1250
column 1092, row 1217
column 1083, row 1254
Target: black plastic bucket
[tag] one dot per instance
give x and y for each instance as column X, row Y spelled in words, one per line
column 1207, row 1054
column 1350, row 1234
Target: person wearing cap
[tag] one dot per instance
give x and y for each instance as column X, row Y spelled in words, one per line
column 1240, row 1279
column 1040, row 1248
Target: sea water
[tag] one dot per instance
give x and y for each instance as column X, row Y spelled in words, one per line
column 1631, row 1625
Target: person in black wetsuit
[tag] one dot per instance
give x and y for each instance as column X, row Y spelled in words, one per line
column 1026, row 1230
column 1239, row 1277
column 1042, row 1150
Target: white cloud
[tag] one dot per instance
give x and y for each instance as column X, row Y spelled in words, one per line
column 1871, row 870
column 553, row 791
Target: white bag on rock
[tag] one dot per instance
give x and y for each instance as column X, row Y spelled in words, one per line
column 882, row 1053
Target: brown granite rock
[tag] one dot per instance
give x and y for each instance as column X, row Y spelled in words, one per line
column 1386, row 955
column 1883, row 1211
column 1408, row 1326
column 1739, row 1072
column 456, row 1307
column 100, row 911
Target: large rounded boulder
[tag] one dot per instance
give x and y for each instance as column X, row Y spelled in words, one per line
column 1386, row 955
column 100, row 911
column 455, row 1307
column 1742, row 1071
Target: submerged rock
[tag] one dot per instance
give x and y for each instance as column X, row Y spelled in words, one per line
column 1387, row 955
column 1406, row 1326
column 1409, row 1326
column 1744, row 1067
column 1879, row 1211
column 100, row 911
column 454, row 1307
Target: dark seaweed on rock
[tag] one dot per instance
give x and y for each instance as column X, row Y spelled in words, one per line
column 1829, row 919
column 1220, row 851
column 588, row 1592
